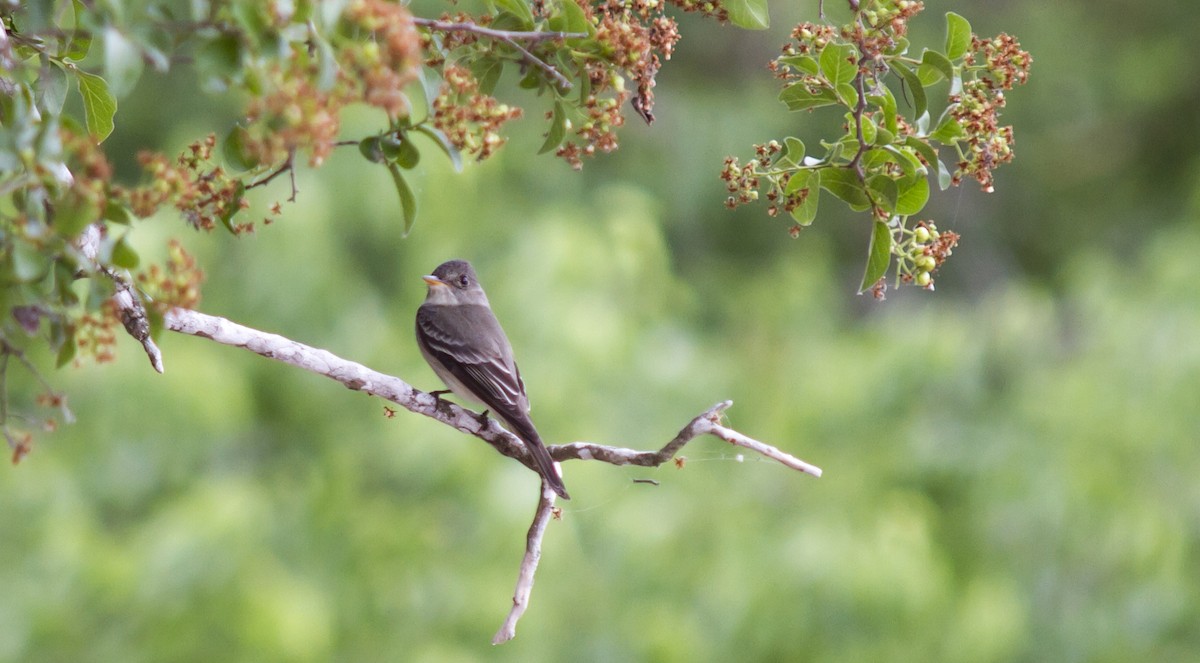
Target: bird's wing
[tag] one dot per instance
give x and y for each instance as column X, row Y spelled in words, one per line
column 486, row 368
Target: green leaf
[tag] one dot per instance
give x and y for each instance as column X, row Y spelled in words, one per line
column 844, row 184
column 444, row 143
column 117, row 213
column 327, row 65
column 922, row 147
column 748, row 14
column 847, row 94
column 793, row 150
column 73, row 213
column 518, row 8
column 66, row 351
column 945, row 179
column 234, row 151
column 884, row 191
column 218, row 60
column 371, row 148
column 948, row 132
column 915, row 88
column 907, row 159
column 839, row 63
column 81, row 40
column 576, row 20
column 99, row 105
column 887, row 104
column 802, row 63
column 123, row 255
column 805, row 212
column 797, row 97
column 234, row 206
column 914, row 193
column 487, row 72
column 408, row 202
column 869, row 129
column 879, row 255
column 400, row 150
column 28, row 261
column 934, row 67
column 52, row 87
column 557, row 131
column 123, row 62
column 958, row 36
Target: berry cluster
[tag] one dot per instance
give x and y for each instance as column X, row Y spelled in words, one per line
column 922, row 251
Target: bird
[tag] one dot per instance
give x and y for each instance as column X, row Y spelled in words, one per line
column 463, row 342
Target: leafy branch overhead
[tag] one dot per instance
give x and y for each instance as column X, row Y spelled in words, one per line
column 888, row 150
column 445, row 85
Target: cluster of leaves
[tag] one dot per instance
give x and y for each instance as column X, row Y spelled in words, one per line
column 885, row 158
column 295, row 66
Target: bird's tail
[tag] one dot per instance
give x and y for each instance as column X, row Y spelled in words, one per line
column 541, row 457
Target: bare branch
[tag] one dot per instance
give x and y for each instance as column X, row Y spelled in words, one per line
column 360, row 378
column 129, row 305
column 707, row 423
column 350, row 374
column 529, row 564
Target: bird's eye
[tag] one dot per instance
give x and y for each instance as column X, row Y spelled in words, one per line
column 463, row 281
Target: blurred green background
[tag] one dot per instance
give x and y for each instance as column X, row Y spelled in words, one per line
column 1010, row 464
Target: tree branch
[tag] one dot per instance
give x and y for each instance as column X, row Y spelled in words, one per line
column 512, row 39
column 503, row 35
column 129, row 305
column 529, row 564
column 360, row 378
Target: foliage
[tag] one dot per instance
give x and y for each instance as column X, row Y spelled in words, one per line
column 296, row 68
column 884, row 160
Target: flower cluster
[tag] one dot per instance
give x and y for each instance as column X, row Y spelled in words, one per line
column 741, row 182
column 95, row 333
column 1004, row 62
column 636, row 38
column 988, row 144
column 306, row 91
column 296, row 113
column 470, row 119
column 708, row 8
column 599, row 131
column 177, row 283
column 203, row 192
column 998, row 63
column 883, row 24
column 377, row 70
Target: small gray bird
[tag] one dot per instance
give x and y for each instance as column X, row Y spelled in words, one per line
column 464, row 344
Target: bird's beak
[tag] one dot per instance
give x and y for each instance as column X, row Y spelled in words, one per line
column 432, row 281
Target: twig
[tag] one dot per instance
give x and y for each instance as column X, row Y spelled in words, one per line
column 529, row 564
column 288, row 166
column 706, row 423
column 505, row 35
column 511, row 38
